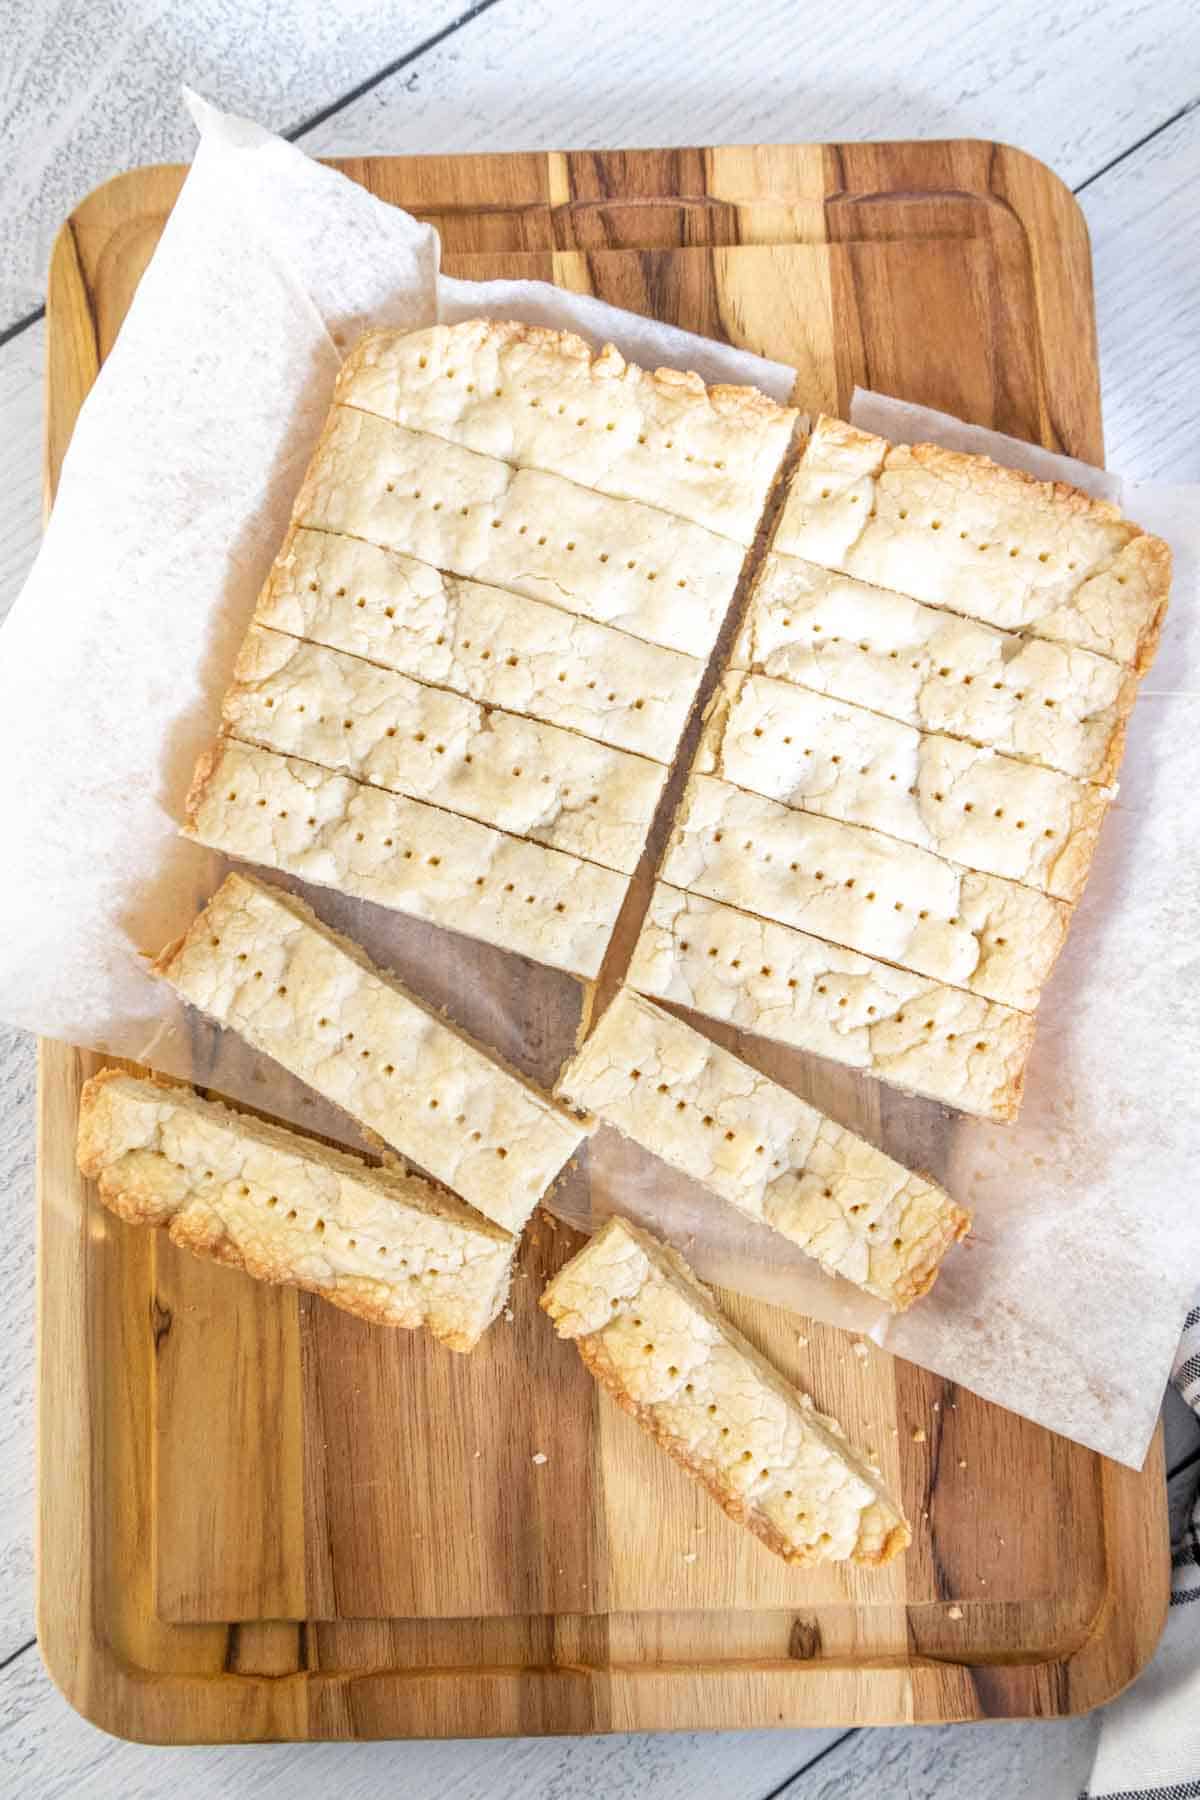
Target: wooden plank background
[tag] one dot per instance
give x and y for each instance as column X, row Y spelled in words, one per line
column 1106, row 99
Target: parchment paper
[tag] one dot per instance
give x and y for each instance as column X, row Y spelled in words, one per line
column 173, row 497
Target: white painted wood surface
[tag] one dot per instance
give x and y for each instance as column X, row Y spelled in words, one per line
column 85, row 91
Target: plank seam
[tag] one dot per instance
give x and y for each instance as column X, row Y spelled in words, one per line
column 295, row 132
column 9, row 332
column 784, row 1787
column 21, row 1650
column 1139, row 144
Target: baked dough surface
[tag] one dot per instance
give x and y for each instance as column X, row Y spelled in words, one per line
column 987, row 812
column 615, row 561
column 764, row 1149
column 916, row 1034
column 376, row 1242
column 864, row 891
column 544, row 400
column 536, row 781
column 291, row 815
column 652, row 1336
column 259, row 961
column 1048, row 703
column 990, row 542
column 499, row 648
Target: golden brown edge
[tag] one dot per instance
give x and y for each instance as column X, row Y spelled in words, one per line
column 743, row 403
column 590, row 1349
column 217, row 1246
column 955, row 1223
column 1055, row 496
column 742, row 1513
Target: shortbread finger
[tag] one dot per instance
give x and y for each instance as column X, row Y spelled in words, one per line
column 1052, row 704
column 261, row 962
column 616, row 561
column 990, row 542
column 866, row 892
column 652, row 1335
column 763, row 1149
column 544, row 400
column 500, row 648
column 916, row 1034
column 987, row 812
column 376, row 1242
column 292, row 815
column 534, row 780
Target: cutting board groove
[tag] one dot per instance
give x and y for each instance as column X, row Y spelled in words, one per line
column 293, row 1525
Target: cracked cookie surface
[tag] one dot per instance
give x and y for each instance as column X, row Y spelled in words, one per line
column 764, row 1149
column 654, row 1338
column 377, row 1242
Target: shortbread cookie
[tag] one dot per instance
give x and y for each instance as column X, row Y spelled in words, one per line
column 544, row 400
column 990, row 542
column 536, row 781
column 1052, row 704
column 260, row 962
column 917, row 1034
column 763, row 1149
column 985, row 811
column 292, row 815
column 653, row 1337
column 616, row 561
column 865, row 891
column 500, row 648
column 376, row 1242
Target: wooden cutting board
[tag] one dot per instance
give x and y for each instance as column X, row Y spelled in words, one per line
column 261, row 1518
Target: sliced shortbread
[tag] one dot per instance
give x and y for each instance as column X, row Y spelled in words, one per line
column 261, row 962
column 544, row 400
column 377, row 1242
column 990, row 542
column 763, row 1149
column 782, row 984
column 985, row 811
column 617, row 561
column 1048, row 703
column 865, row 891
column 537, row 781
column 652, row 1335
column 325, row 828
column 501, row 648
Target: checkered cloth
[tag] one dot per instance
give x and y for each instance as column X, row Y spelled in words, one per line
column 1150, row 1738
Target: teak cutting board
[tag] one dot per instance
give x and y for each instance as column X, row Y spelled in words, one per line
column 261, row 1518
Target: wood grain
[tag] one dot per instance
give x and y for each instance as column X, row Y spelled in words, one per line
column 1049, row 1623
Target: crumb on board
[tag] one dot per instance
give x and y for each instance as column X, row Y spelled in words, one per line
column 918, row 1436
column 689, row 1556
column 860, row 1349
column 954, row 1612
column 539, row 1456
column 801, row 1341
column 962, row 1462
